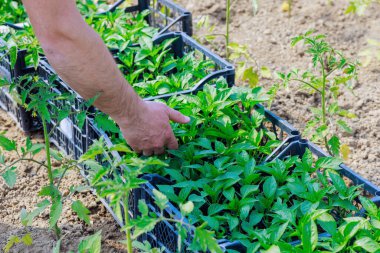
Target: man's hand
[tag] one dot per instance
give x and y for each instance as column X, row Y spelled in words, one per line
column 148, row 129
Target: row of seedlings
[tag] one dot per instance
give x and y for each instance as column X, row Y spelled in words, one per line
column 298, row 178
column 261, row 134
column 169, row 65
column 20, row 52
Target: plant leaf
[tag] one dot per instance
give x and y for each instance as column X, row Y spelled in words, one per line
column 82, row 211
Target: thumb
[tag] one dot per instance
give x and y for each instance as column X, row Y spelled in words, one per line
column 178, row 117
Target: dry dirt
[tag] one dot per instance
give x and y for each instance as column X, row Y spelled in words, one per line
column 25, row 195
column 268, row 36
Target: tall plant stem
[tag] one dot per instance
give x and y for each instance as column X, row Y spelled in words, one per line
column 47, row 149
column 324, row 102
column 127, row 223
column 56, row 229
column 228, row 16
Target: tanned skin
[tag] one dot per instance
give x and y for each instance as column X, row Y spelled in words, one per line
column 81, row 58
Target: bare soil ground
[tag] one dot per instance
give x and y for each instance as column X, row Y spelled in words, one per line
column 25, row 195
column 268, row 35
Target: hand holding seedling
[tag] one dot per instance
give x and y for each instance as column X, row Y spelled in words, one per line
column 82, row 60
column 147, row 130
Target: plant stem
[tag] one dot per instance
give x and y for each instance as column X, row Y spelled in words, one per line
column 228, row 15
column 127, row 222
column 324, row 112
column 47, row 149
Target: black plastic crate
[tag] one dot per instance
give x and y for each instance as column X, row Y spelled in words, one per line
column 67, row 135
column 184, row 44
column 298, row 148
column 164, row 14
column 165, row 234
column 8, row 102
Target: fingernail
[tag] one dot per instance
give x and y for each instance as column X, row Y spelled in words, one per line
column 187, row 119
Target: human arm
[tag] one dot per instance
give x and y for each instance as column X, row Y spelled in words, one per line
column 80, row 57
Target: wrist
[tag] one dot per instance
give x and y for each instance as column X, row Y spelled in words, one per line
column 129, row 107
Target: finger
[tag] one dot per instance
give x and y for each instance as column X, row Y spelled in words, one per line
column 172, row 142
column 159, row 151
column 148, row 152
column 178, row 117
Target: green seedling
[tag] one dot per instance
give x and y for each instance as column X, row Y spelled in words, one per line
column 120, row 30
column 38, row 98
column 360, row 6
column 331, row 72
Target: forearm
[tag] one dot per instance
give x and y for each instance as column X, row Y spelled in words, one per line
column 80, row 57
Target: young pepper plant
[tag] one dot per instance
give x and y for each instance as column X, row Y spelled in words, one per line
column 331, row 72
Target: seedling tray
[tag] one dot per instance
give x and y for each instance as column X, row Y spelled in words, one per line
column 298, row 148
column 68, row 137
column 164, row 234
column 8, row 103
column 183, row 45
column 164, row 14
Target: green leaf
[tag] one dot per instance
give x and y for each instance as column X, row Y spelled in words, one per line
column 55, row 213
column 270, row 187
column 247, row 190
column 13, row 55
column 328, row 162
column 27, row 218
column 27, row 240
column 10, row 177
column 343, row 124
column 91, row 244
column 57, row 247
column 367, row 244
column 160, row 199
column 328, row 223
column 7, row 144
column 143, row 207
column 309, row 236
column 334, row 144
column 82, row 211
column 13, row 240
column 204, row 240
column 339, row 183
column 369, row 206
column 272, row 249
column 229, row 193
column 81, row 118
column 215, row 208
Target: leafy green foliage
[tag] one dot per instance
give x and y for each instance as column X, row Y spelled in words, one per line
column 154, row 69
column 359, row 6
column 12, row 11
column 27, row 240
column 120, row 30
column 91, row 244
column 331, row 72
